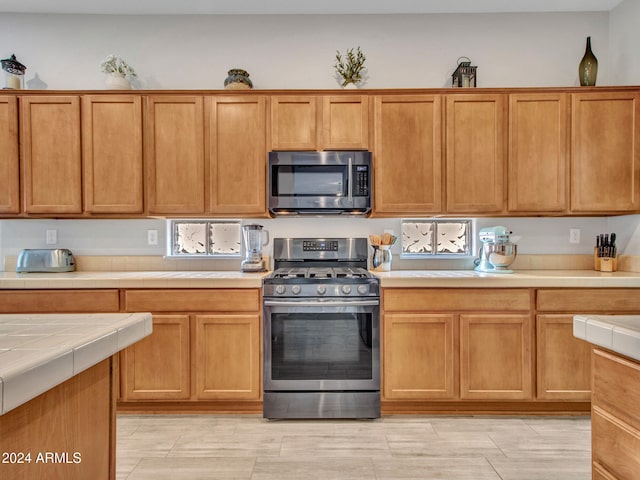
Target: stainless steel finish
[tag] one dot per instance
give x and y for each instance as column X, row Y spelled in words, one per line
column 45, row 260
column 320, row 302
column 500, row 255
column 254, row 239
column 321, row 405
column 316, row 197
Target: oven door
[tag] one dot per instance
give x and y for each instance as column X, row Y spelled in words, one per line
column 321, row 345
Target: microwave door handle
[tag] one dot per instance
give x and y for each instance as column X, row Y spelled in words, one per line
column 350, row 180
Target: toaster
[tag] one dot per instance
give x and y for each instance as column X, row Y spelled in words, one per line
column 45, row 260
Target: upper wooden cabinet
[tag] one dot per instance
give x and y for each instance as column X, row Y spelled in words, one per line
column 475, row 153
column 320, row 122
column 112, row 153
column 605, row 160
column 51, row 156
column 538, row 152
column 407, row 154
column 9, row 166
column 237, row 154
column 174, row 149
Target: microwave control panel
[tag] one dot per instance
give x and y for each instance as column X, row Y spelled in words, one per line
column 361, row 181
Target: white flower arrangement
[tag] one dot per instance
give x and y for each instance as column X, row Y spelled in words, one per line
column 115, row 64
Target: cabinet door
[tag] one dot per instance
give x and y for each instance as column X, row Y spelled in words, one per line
column 158, row 366
column 345, row 121
column 174, row 146
column 407, row 154
column 227, row 359
column 418, row 359
column 112, row 153
column 563, row 361
column 51, row 157
column 605, row 160
column 294, row 123
column 538, row 152
column 9, row 166
column 495, row 357
column 475, row 153
column 237, row 155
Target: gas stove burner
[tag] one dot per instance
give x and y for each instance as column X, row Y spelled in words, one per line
column 320, row 273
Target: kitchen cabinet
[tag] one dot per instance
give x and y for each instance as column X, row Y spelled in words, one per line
column 175, row 154
column 112, row 153
column 605, row 146
column 407, row 154
column 9, row 165
column 319, row 122
column 563, row 361
column 206, row 348
column 237, row 154
column 419, row 360
column 227, row 357
column 51, row 154
column 59, row 301
column 615, row 416
column 438, row 346
column 538, row 157
column 158, row 367
column 495, row 356
column 475, row 151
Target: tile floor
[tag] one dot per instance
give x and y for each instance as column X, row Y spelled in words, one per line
column 194, row 447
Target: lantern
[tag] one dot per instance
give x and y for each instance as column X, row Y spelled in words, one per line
column 465, row 74
column 13, row 73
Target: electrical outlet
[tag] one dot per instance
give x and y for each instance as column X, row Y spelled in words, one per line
column 52, row 237
column 152, row 237
column 574, row 235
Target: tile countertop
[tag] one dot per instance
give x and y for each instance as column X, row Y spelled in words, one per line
column 38, row 352
column 156, row 279
column 619, row 333
column 522, row 278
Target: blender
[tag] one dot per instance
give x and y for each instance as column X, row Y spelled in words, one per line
column 497, row 251
column 253, row 243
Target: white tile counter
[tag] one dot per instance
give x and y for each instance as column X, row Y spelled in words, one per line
column 38, row 352
column 618, row 333
column 518, row 279
column 151, row 279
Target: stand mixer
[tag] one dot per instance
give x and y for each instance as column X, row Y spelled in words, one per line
column 253, row 243
column 496, row 252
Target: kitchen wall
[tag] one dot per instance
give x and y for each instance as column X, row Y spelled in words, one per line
column 293, row 52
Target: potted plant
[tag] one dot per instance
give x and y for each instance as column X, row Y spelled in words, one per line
column 350, row 68
column 118, row 72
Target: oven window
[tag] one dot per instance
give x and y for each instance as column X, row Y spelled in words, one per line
column 321, row 346
column 310, row 180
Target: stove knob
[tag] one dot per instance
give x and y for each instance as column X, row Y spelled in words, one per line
column 363, row 289
column 295, row 289
column 280, row 289
column 321, row 290
column 346, row 289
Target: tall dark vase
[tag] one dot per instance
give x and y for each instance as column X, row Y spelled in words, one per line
column 588, row 69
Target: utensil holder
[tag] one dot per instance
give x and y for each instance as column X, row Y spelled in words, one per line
column 604, row 264
column 381, row 260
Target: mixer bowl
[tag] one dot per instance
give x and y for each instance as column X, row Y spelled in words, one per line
column 500, row 255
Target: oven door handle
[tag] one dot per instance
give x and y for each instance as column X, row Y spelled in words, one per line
column 316, row 303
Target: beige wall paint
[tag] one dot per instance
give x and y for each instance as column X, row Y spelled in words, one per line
column 624, row 43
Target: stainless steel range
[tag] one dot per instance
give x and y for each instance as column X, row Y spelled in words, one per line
column 321, row 331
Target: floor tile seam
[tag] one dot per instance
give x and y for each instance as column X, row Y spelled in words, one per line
column 494, row 468
column 134, row 467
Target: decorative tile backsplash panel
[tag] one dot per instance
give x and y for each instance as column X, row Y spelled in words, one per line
column 424, row 238
column 194, row 238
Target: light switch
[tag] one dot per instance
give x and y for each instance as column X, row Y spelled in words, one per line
column 152, row 237
column 52, row 237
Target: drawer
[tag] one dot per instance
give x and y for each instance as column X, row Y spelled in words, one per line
column 438, row 299
column 616, row 445
column 59, row 301
column 602, row 300
column 209, row 300
column 616, row 386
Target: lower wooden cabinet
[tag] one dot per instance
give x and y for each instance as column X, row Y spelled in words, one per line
column 227, row 357
column 158, row 367
column 419, row 356
column 205, row 346
column 563, row 361
column 495, row 357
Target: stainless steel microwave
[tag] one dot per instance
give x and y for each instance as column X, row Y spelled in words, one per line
column 320, row 183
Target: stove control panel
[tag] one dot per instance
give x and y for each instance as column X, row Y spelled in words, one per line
column 320, row 246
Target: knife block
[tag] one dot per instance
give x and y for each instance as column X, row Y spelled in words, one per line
column 604, row 264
